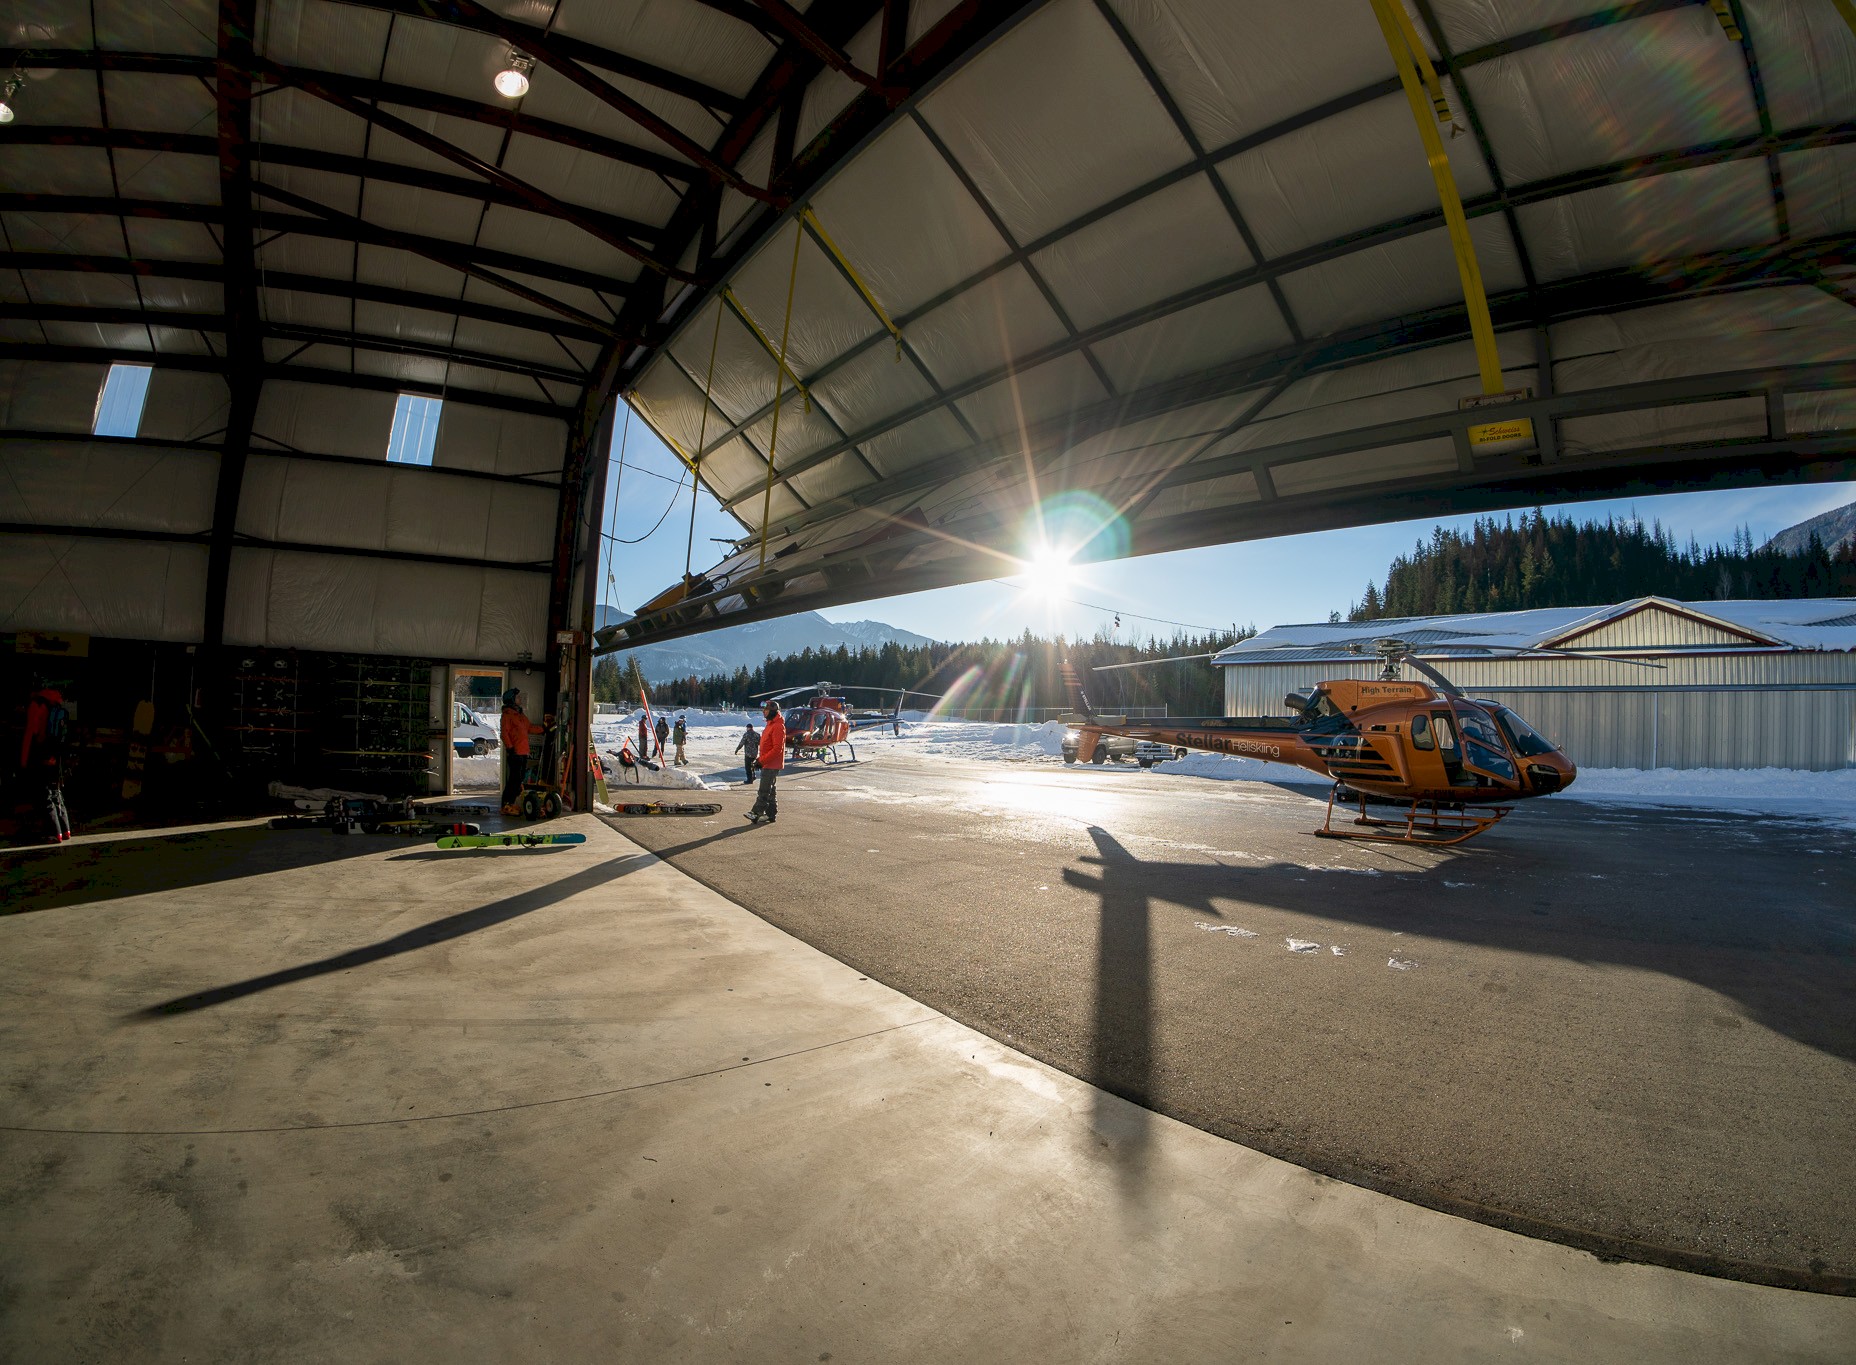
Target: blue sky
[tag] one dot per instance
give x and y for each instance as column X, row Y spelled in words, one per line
column 1261, row 583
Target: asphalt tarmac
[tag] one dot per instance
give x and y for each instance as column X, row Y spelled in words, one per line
column 1628, row 1029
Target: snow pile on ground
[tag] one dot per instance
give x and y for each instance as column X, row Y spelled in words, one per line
column 1228, row 768
column 977, row 739
column 1778, row 791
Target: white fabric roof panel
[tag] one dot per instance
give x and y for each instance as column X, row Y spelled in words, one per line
column 128, row 589
column 148, row 488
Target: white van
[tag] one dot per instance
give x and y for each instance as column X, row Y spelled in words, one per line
column 471, row 734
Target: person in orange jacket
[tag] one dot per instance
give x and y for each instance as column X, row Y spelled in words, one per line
column 517, row 728
column 772, row 758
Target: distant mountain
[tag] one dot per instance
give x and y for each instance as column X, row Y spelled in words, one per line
column 1836, row 528
column 745, row 646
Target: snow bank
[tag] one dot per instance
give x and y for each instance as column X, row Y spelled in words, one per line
column 1773, row 791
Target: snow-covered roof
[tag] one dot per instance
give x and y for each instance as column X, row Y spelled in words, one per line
column 1819, row 623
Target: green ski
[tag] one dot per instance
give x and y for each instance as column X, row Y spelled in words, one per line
column 507, row 840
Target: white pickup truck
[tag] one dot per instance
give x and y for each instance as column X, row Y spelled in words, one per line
column 1145, row 752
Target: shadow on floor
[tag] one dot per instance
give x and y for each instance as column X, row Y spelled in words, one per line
column 438, row 931
column 85, row 873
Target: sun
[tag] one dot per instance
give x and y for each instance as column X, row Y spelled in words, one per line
column 1047, row 572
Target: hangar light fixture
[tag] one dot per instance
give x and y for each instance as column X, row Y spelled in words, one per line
column 512, row 80
column 7, row 90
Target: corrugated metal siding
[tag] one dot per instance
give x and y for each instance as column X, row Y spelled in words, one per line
column 1631, row 718
column 1655, row 628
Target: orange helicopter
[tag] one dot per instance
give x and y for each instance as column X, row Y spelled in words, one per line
column 817, row 728
column 1457, row 766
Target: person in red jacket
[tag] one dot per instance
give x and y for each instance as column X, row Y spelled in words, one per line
column 772, row 758
column 41, row 755
column 517, row 728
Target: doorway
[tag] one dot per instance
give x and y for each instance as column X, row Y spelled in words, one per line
column 476, row 710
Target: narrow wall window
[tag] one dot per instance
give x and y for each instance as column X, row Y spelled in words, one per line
column 119, row 405
column 415, row 429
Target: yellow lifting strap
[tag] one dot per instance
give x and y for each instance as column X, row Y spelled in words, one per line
column 779, row 390
column 702, row 435
column 850, row 272
column 1406, row 51
column 779, row 355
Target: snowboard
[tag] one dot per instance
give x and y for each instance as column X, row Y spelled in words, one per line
column 507, row 840
column 668, row 808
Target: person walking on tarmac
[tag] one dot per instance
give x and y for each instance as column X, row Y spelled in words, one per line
column 748, row 746
column 679, row 735
column 41, row 756
column 517, row 728
column 771, row 759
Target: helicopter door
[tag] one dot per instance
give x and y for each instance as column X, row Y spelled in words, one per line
column 1484, row 753
column 1449, row 749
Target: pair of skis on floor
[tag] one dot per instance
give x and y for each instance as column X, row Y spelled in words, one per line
column 521, row 840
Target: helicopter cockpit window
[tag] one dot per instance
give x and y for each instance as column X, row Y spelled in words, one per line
column 1421, row 737
column 1446, row 735
column 1522, row 737
column 1483, row 748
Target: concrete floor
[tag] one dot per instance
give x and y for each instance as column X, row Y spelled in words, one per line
column 1630, row 1029
column 292, row 1097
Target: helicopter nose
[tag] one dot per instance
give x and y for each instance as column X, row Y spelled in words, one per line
column 1550, row 773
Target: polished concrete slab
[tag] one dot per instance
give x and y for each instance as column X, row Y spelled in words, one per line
column 1633, row 1030
column 290, row 1097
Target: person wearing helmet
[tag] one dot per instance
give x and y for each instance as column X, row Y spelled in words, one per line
column 516, row 730
column 772, row 758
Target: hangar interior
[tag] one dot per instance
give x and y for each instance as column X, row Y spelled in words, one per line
column 908, row 285
column 901, row 280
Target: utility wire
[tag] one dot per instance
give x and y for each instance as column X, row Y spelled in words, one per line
column 1118, row 613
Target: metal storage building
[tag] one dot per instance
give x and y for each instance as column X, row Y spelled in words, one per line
column 1741, row 684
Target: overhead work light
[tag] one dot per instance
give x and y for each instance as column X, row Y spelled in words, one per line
column 512, row 80
column 7, row 89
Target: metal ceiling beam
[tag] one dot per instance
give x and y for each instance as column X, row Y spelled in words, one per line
column 328, row 336
column 314, row 159
column 244, row 361
column 504, row 116
column 340, row 379
column 540, row 45
column 1636, row 168
column 277, row 452
column 1428, row 16
column 482, row 263
column 574, row 49
column 794, row 24
column 1184, row 128
column 1612, row 291
column 536, row 198
column 1763, row 108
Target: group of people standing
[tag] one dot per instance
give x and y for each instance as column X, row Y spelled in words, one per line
column 763, row 752
column 667, row 733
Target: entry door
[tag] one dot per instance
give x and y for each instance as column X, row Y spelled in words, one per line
column 1483, row 751
column 476, row 709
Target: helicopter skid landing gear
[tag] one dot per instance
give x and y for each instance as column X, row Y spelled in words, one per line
column 1425, row 822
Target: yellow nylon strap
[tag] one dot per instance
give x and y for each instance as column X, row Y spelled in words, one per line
column 779, row 390
column 856, row 280
column 779, row 354
column 702, row 435
column 1428, row 73
column 1848, row 11
column 1475, row 298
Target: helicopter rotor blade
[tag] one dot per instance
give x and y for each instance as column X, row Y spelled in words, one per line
column 1524, row 651
column 1149, row 663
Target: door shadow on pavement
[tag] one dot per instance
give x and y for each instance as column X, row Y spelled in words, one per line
column 1790, row 965
column 84, row 873
column 438, row 931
